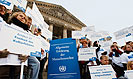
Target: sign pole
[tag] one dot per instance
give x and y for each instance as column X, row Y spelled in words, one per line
column 22, row 69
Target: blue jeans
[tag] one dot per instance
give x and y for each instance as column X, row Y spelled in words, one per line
column 35, row 65
column 42, row 62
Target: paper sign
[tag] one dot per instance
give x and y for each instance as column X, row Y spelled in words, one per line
column 7, row 3
column 86, row 54
column 129, row 74
column 102, row 72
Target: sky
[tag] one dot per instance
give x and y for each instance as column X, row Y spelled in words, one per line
column 107, row 15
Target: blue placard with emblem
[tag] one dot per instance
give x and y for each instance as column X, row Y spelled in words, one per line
column 63, row 59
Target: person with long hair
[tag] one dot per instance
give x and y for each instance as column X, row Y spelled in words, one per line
column 20, row 19
column 2, row 11
column 127, row 55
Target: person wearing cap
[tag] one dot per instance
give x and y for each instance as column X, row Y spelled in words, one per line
column 83, row 64
column 80, row 44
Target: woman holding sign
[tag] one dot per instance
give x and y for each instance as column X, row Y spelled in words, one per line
column 4, row 12
column 20, row 20
column 127, row 56
column 84, row 71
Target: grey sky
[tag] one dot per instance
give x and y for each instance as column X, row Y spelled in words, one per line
column 109, row 15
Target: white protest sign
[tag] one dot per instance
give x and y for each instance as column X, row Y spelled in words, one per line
column 77, row 34
column 102, row 72
column 121, row 33
column 85, row 54
column 1, row 22
column 44, row 44
column 11, row 60
column 88, row 29
column 95, row 36
column 39, row 17
column 21, row 4
column 106, row 44
column 7, row 3
column 39, row 23
column 46, row 33
column 104, row 33
column 129, row 74
column 16, row 40
column 131, row 30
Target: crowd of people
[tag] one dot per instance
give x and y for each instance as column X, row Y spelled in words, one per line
column 35, row 64
column 118, row 57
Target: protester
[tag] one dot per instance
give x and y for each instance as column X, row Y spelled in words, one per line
column 116, row 60
column 3, row 53
column 19, row 19
column 122, row 47
column 98, row 54
column 89, row 42
column 2, row 10
column 80, row 43
column 34, row 64
column 114, row 43
column 84, row 71
column 29, row 22
column 127, row 55
column 131, row 45
column 41, row 59
column 104, row 60
column 129, row 42
column 130, row 65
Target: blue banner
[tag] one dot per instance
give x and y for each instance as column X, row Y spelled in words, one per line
column 63, row 59
column 5, row 2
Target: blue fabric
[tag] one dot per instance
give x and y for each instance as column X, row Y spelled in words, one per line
column 35, row 65
column 83, row 37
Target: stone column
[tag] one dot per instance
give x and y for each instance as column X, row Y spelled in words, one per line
column 64, row 33
column 59, row 37
column 51, row 28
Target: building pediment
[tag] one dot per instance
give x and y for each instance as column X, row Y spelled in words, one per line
column 58, row 14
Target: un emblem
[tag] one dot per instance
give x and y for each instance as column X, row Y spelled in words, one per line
column 62, row 68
